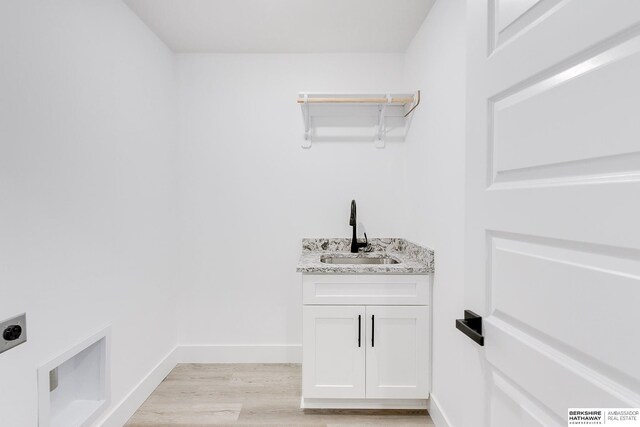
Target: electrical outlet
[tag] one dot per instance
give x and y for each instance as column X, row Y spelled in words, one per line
column 13, row 332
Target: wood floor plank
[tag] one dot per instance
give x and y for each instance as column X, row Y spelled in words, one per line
column 197, row 395
column 188, row 412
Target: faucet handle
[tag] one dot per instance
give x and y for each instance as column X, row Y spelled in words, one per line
column 366, row 247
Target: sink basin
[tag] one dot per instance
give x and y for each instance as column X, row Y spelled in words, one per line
column 336, row 259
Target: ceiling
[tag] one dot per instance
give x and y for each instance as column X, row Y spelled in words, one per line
column 283, row 26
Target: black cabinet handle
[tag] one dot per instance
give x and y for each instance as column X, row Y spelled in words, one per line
column 471, row 326
column 359, row 329
column 373, row 330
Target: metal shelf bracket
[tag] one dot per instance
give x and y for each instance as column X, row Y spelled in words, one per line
column 307, row 122
column 382, row 109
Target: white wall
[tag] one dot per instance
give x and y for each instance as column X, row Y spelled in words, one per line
column 249, row 192
column 87, row 190
column 435, row 62
column 89, row 175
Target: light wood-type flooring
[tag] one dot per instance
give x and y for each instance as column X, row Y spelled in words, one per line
column 250, row 394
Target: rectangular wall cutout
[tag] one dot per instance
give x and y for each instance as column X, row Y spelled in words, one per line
column 74, row 388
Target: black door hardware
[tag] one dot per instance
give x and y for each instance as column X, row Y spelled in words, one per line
column 373, row 330
column 471, row 326
column 359, row 329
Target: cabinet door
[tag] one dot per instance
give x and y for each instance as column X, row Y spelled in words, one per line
column 333, row 358
column 398, row 357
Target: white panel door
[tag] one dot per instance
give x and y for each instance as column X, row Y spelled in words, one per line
column 398, row 352
column 333, row 352
column 553, row 207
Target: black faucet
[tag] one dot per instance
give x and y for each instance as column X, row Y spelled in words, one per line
column 354, row 240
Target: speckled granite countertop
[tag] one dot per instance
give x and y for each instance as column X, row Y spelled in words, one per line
column 413, row 259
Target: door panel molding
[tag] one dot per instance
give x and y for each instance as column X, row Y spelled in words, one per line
column 568, row 28
column 518, row 115
column 523, row 409
column 529, row 277
column 557, row 380
column 506, row 25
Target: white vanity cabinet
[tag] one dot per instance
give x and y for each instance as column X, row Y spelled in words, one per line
column 333, row 355
column 366, row 341
column 397, row 356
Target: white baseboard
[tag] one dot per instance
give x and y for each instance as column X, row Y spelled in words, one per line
column 438, row 417
column 132, row 401
column 239, row 354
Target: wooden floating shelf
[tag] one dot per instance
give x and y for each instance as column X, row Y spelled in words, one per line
column 381, row 105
